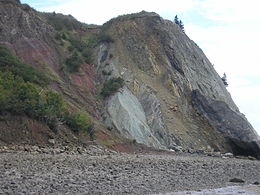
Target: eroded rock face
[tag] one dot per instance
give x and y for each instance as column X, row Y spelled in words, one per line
column 172, row 95
column 152, row 109
column 162, row 67
column 234, row 126
column 27, row 35
column 127, row 115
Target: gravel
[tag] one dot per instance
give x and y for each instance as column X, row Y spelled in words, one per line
column 24, row 172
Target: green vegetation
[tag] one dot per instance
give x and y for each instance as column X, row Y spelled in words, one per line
column 90, row 40
column 103, row 36
column 111, row 86
column 82, row 48
column 224, row 79
column 87, row 53
column 63, row 22
column 61, row 35
column 179, row 22
column 81, row 51
column 80, row 122
column 109, row 128
column 108, row 142
column 106, row 73
column 19, row 97
column 22, row 94
column 130, row 16
column 10, row 63
column 72, row 35
column 77, row 43
column 73, row 62
column 66, row 22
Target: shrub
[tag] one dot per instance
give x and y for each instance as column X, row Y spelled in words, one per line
column 111, row 86
column 73, row 62
column 87, row 53
column 20, row 96
column 77, row 43
column 106, row 73
column 80, row 122
column 91, row 40
column 105, row 37
column 58, row 36
column 94, row 39
column 15, row 94
column 25, row 7
column 61, row 35
column 62, row 22
column 109, row 128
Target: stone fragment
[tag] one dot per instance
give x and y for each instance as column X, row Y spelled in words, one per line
column 51, row 141
column 237, row 180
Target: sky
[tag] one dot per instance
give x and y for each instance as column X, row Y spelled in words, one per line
column 226, row 30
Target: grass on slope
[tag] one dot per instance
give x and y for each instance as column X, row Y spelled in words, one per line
column 22, row 93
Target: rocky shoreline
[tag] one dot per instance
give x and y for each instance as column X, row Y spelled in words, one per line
column 97, row 170
column 91, row 150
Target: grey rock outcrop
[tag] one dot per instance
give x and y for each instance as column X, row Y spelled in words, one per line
column 127, row 116
column 152, row 108
column 163, row 67
column 233, row 125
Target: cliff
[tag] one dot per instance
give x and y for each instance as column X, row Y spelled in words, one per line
column 183, row 98
column 172, row 97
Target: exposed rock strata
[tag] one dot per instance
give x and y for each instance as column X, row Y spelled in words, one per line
column 127, row 116
column 173, row 97
column 233, row 125
column 162, row 66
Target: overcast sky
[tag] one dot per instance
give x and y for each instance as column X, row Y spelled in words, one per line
column 228, row 31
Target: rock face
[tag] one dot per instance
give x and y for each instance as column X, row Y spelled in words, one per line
column 184, row 100
column 127, row 115
column 233, row 125
column 27, row 35
column 173, row 98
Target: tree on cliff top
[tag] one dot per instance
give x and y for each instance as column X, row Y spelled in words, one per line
column 176, row 20
column 179, row 23
column 224, row 79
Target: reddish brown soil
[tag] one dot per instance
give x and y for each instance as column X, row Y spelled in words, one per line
column 85, row 81
column 36, row 53
column 19, row 130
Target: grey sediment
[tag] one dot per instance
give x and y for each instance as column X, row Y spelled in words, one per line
column 108, row 172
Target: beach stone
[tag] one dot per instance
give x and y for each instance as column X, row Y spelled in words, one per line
column 237, row 180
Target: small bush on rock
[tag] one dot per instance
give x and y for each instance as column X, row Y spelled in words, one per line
column 111, row 86
column 80, row 122
column 73, row 62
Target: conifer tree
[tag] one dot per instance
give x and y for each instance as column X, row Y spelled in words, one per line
column 176, row 20
column 181, row 26
column 224, row 79
column 179, row 23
